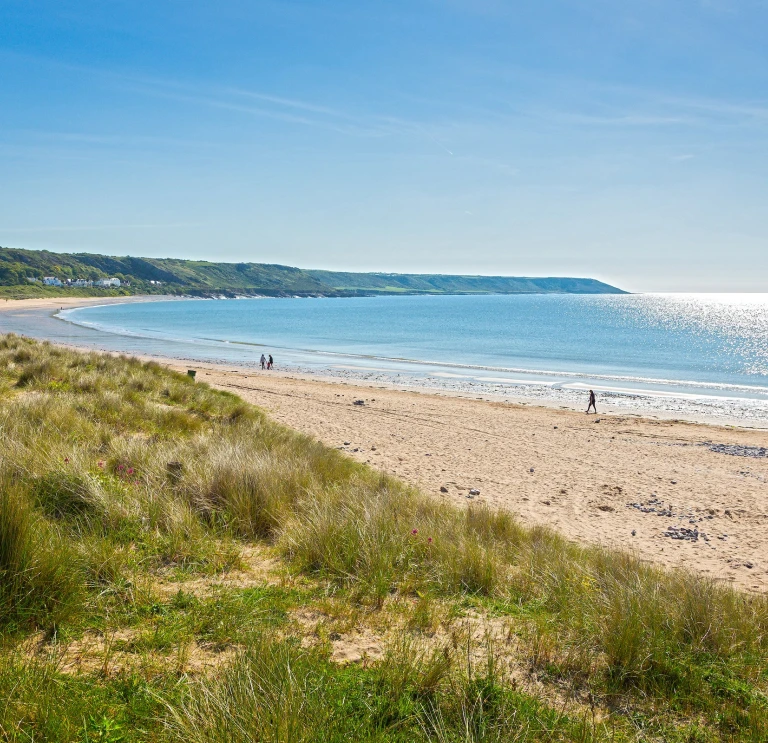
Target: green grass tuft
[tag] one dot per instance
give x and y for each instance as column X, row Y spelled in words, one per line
column 38, row 575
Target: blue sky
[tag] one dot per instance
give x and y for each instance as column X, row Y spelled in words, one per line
column 626, row 141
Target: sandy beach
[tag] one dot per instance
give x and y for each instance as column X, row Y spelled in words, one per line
column 673, row 492
column 619, row 481
column 54, row 303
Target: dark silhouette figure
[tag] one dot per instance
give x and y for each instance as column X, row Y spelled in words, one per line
column 592, row 402
column 271, row 361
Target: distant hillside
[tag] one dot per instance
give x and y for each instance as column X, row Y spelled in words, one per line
column 174, row 276
column 390, row 283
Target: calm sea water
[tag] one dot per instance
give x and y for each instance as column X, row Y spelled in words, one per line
column 664, row 345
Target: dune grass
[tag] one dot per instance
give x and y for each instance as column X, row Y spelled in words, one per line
column 119, row 478
column 278, row 692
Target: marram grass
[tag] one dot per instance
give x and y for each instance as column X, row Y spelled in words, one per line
column 117, row 476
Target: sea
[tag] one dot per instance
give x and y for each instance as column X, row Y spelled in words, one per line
column 701, row 356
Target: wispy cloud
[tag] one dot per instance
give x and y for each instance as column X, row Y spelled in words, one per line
column 453, row 125
column 754, row 111
column 633, row 120
column 289, row 111
column 100, row 227
column 563, row 97
column 108, row 140
column 290, row 103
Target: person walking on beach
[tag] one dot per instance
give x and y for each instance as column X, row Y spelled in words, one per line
column 591, row 402
column 263, row 361
column 271, row 361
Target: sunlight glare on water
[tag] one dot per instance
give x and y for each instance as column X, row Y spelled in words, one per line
column 734, row 326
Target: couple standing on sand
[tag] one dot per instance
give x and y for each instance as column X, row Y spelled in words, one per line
column 266, row 364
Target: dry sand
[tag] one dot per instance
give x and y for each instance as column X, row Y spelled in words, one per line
column 574, row 472
column 53, row 303
column 557, row 467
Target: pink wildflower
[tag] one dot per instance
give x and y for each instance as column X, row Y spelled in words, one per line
column 120, row 466
column 66, row 460
column 429, row 540
column 101, row 464
column 415, row 532
column 130, row 470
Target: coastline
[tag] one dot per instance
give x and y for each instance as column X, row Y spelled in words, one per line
column 596, row 479
column 38, row 318
column 663, row 399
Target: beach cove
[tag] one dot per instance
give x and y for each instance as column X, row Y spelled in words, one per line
column 676, row 493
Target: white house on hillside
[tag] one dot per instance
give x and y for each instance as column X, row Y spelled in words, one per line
column 51, row 281
column 107, row 282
